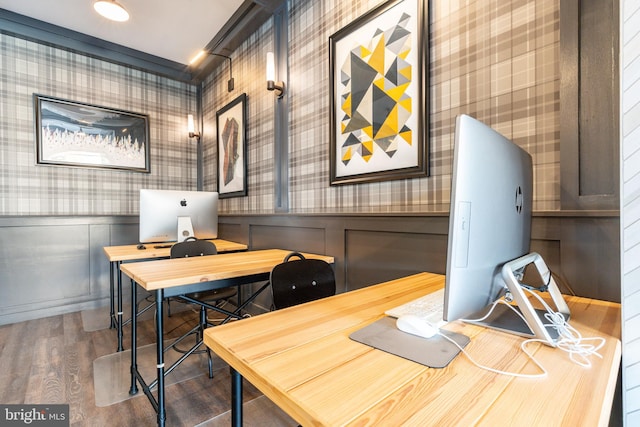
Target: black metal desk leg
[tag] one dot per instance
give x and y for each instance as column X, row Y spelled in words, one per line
column 134, row 329
column 236, row 398
column 160, row 355
column 112, row 320
column 119, row 277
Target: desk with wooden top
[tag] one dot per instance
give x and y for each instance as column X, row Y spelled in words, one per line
column 119, row 254
column 171, row 277
column 304, row 361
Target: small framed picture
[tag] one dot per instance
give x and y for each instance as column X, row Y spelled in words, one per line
column 232, row 148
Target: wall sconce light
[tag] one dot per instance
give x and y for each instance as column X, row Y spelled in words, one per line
column 230, row 81
column 271, row 77
column 191, row 128
column 202, row 53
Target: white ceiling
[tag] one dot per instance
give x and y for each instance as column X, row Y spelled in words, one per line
column 171, row 29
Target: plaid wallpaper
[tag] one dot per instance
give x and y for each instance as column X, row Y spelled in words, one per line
column 29, row 189
column 249, row 76
column 495, row 60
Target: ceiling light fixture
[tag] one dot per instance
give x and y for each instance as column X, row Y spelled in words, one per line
column 112, row 10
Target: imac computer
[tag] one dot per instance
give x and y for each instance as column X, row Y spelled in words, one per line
column 490, row 232
column 171, row 215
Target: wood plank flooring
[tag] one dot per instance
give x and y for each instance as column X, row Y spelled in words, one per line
column 50, row 361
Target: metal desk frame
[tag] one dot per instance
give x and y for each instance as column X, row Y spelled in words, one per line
column 176, row 277
column 115, row 277
column 160, row 294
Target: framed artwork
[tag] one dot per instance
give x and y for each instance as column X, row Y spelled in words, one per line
column 76, row 134
column 379, row 95
column 232, row 148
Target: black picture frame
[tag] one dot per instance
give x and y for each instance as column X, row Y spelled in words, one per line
column 77, row 134
column 231, row 128
column 379, row 128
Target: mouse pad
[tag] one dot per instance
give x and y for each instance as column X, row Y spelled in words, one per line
column 435, row 352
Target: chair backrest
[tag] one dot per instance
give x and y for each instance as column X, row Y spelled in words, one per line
column 299, row 281
column 193, row 247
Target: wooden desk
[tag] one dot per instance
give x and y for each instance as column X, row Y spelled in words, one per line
column 132, row 253
column 118, row 254
column 178, row 276
column 303, row 360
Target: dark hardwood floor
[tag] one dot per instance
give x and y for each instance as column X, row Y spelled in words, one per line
column 50, row 361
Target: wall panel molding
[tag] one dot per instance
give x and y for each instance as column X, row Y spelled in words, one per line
column 581, row 247
column 69, row 271
column 54, row 265
column 589, row 108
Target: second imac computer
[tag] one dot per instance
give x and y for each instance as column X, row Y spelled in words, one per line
column 173, row 215
column 490, row 232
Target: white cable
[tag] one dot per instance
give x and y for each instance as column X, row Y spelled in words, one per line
column 493, row 306
column 570, row 340
column 523, row 346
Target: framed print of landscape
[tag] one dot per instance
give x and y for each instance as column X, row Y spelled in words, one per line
column 76, row 134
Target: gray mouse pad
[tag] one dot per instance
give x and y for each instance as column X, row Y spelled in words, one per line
column 435, row 352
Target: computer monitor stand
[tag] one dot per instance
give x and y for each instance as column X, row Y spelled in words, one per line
column 504, row 319
column 185, row 228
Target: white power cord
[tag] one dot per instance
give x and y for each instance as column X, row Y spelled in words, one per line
column 570, row 340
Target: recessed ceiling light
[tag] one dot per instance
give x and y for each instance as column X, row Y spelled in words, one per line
column 112, row 10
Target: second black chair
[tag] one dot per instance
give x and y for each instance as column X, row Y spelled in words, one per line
column 301, row 280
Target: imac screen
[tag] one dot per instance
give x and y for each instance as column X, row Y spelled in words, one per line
column 161, row 210
column 490, row 216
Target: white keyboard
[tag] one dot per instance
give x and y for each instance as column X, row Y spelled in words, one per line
column 429, row 307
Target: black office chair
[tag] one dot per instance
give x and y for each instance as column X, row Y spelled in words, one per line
column 193, row 247
column 189, row 248
column 298, row 281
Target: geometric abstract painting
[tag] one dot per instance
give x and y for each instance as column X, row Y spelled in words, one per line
column 377, row 79
column 375, row 101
